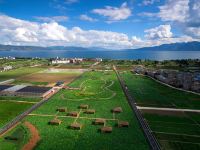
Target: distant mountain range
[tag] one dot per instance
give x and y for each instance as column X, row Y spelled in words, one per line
column 190, row 46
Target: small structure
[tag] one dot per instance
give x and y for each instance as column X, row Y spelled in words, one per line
column 90, row 111
column 123, row 124
column 83, row 106
column 99, row 121
column 117, row 110
column 73, row 114
column 62, row 109
column 106, row 129
column 55, row 122
column 76, row 126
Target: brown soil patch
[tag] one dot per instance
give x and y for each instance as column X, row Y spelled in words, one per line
column 34, row 137
column 49, row 77
column 164, row 112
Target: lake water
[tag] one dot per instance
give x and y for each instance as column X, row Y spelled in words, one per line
column 119, row 54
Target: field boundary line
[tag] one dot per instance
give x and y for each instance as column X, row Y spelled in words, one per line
column 180, row 141
column 168, row 109
column 88, row 118
column 177, row 134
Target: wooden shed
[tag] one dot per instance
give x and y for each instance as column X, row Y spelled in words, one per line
column 117, row 110
column 76, row 126
column 83, row 106
column 99, row 121
column 73, row 114
column 90, row 111
column 106, row 129
column 55, row 122
column 62, row 109
column 123, row 124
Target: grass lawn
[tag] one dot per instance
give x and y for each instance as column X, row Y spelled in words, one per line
column 147, row 92
column 176, row 132
column 9, row 110
column 12, row 74
column 101, row 92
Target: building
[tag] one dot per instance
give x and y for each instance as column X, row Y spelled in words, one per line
column 25, row 91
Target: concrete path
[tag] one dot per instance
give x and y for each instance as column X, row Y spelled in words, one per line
column 168, row 109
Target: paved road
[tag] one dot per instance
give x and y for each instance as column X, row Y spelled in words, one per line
column 143, row 124
column 168, row 109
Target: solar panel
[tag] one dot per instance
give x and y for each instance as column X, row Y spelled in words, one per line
column 34, row 89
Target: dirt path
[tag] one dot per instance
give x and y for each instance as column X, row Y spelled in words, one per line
column 34, row 137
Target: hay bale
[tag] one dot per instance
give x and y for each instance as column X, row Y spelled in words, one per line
column 62, row 109
column 123, row 124
column 73, row 114
column 106, row 129
column 90, row 111
column 117, row 110
column 55, row 122
column 99, row 121
column 83, row 106
column 76, row 126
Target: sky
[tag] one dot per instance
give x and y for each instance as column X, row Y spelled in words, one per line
column 113, row 24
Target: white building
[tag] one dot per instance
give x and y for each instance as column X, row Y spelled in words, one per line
column 60, row 61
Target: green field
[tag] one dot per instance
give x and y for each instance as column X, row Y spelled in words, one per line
column 13, row 74
column 9, row 110
column 147, row 92
column 176, row 132
column 15, row 139
column 102, row 92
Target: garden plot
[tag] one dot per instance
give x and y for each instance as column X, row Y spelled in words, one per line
column 70, row 123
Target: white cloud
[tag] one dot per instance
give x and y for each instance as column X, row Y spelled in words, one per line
column 160, row 32
column 149, row 2
column 174, row 10
column 87, row 18
column 53, row 18
column 193, row 31
column 20, row 32
column 114, row 13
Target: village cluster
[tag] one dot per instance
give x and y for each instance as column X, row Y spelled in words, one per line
column 179, row 79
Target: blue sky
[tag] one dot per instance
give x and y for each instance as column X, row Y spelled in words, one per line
column 102, row 23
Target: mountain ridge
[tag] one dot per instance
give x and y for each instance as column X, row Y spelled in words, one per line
column 185, row 46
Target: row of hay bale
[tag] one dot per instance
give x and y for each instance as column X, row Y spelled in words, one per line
column 99, row 121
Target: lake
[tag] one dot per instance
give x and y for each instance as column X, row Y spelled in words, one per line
column 115, row 54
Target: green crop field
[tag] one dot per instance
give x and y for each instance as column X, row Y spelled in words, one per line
column 176, row 132
column 147, row 92
column 102, row 92
column 12, row 74
column 9, row 110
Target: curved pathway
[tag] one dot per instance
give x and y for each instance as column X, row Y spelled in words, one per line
column 34, row 137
